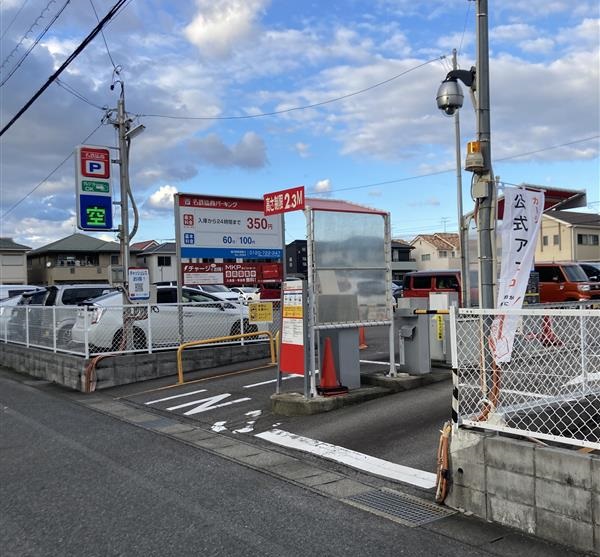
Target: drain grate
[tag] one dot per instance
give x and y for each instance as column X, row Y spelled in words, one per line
column 407, row 509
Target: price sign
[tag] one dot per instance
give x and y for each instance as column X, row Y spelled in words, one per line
column 284, row 201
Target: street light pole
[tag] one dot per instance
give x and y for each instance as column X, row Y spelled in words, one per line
column 462, row 236
column 484, row 187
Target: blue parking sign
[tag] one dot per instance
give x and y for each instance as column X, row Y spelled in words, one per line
column 95, row 212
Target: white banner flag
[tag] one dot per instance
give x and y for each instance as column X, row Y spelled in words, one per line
column 520, row 226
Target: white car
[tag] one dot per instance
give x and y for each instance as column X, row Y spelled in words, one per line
column 204, row 316
column 247, row 293
column 220, row 291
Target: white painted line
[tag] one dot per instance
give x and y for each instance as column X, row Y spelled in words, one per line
column 377, row 363
column 353, row 459
column 206, row 408
column 175, row 396
column 288, row 376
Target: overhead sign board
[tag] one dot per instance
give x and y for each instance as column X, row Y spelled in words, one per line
column 226, row 227
column 283, row 201
column 93, row 188
column 230, row 273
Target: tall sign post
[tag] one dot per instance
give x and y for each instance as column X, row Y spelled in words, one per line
column 93, row 188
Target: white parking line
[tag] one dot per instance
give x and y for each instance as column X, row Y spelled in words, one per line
column 175, row 396
column 350, row 458
column 290, row 376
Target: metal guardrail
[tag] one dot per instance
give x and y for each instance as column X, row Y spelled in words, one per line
column 550, row 388
column 204, row 342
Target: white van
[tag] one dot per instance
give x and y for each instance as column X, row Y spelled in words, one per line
column 10, row 290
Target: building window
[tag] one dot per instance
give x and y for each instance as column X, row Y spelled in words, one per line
column 545, row 240
column 114, row 259
column 443, row 253
column 556, row 240
column 587, row 239
column 164, row 260
column 426, row 257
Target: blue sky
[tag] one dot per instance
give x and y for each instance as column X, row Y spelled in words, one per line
column 226, row 58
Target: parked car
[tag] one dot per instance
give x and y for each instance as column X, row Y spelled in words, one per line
column 6, row 311
column 565, row 282
column 39, row 322
column 220, row 291
column 591, row 269
column 247, row 293
column 204, row 316
column 11, row 290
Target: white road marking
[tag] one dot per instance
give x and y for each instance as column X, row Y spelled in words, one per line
column 354, row 459
column 175, row 396
column 254, row 413
column 207, row 406
column 219, row 426
column 285, row 378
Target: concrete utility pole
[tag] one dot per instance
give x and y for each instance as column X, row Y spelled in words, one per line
column 484, row 187
column 122, row 126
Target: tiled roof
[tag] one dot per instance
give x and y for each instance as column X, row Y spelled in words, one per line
column 440, row 240
column 7, row 244
column 78, row 243
column 165, row 247
column 141, row 246
column 579, row 219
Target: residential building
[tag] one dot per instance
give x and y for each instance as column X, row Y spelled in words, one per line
column 159, row 259
column 439, row 251
column 78, row 258
column 402, row 260
column 568, row 236
column 13, row 262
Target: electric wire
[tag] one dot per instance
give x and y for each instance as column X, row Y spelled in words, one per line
column 464, row 26
column 111, row 13
column 35, row 43
column 18, row 12
column 295, row 108
column 31, row 28
column 15, row 205
column 103, row 37
column 70, row 89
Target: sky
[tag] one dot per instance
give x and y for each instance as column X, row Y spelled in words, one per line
column 381, row 141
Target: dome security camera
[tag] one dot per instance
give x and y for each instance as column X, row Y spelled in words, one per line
column 449, row 97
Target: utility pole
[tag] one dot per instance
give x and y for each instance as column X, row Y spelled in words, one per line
column 463, row 240
column 484, row 187
column 122, row 126
column 444, row 221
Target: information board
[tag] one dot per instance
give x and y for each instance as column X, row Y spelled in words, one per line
column 93, row 188
column 293, row 329
column 226, row 227
column 139, row 283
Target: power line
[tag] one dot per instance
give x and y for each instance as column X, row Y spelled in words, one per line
column 103, row 37
column 69, row 89
column 31, row 28
column 464, row 26
column 34, row 44
column 295, row 108
column 13, row 207
column 14, row 18
column 76, row 52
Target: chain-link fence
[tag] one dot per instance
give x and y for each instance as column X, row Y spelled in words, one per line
column 550, row 387
column 97, row 329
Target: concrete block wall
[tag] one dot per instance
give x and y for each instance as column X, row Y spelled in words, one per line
column 549, row 492
column 69, row 370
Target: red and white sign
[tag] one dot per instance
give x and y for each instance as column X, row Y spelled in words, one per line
column 284, row 201
column 231, row 273
column 94, row 162
column 520, row 226
column 291, row 357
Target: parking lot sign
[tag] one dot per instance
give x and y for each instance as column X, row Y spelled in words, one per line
column 93, row 188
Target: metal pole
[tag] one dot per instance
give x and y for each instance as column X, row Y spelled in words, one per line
column 483, row 187
column 465, row 287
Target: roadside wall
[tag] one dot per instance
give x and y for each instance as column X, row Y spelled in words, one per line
column 548, row 492
column 69, row 370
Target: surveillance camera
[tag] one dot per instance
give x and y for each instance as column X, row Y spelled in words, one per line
column 449, row 96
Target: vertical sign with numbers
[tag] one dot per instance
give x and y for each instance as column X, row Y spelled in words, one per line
column 93, row 188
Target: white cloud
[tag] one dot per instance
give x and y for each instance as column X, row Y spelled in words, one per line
column 302, row 149
column 219, row 27
column 250, row 152
column 512, row 32
column 323, row 186
column 537, row 46
column 161, row 199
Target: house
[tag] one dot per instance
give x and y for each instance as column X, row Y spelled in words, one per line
column 13, row 262
column 402, row 260
column 159, row 259
column 568, row 236
column 78, row 258
column 439, row 251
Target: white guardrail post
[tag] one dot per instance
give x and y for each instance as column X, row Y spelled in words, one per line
column 54, row 329
column 86, row 340
column 149, row 333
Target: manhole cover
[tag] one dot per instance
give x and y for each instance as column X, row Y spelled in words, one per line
column 407, row 509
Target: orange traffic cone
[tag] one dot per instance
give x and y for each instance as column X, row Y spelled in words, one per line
column 329, row 385
column 362, row 341
column 548, row 336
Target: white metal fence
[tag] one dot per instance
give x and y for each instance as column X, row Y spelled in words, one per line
column 550, row 389
column 90, row 330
